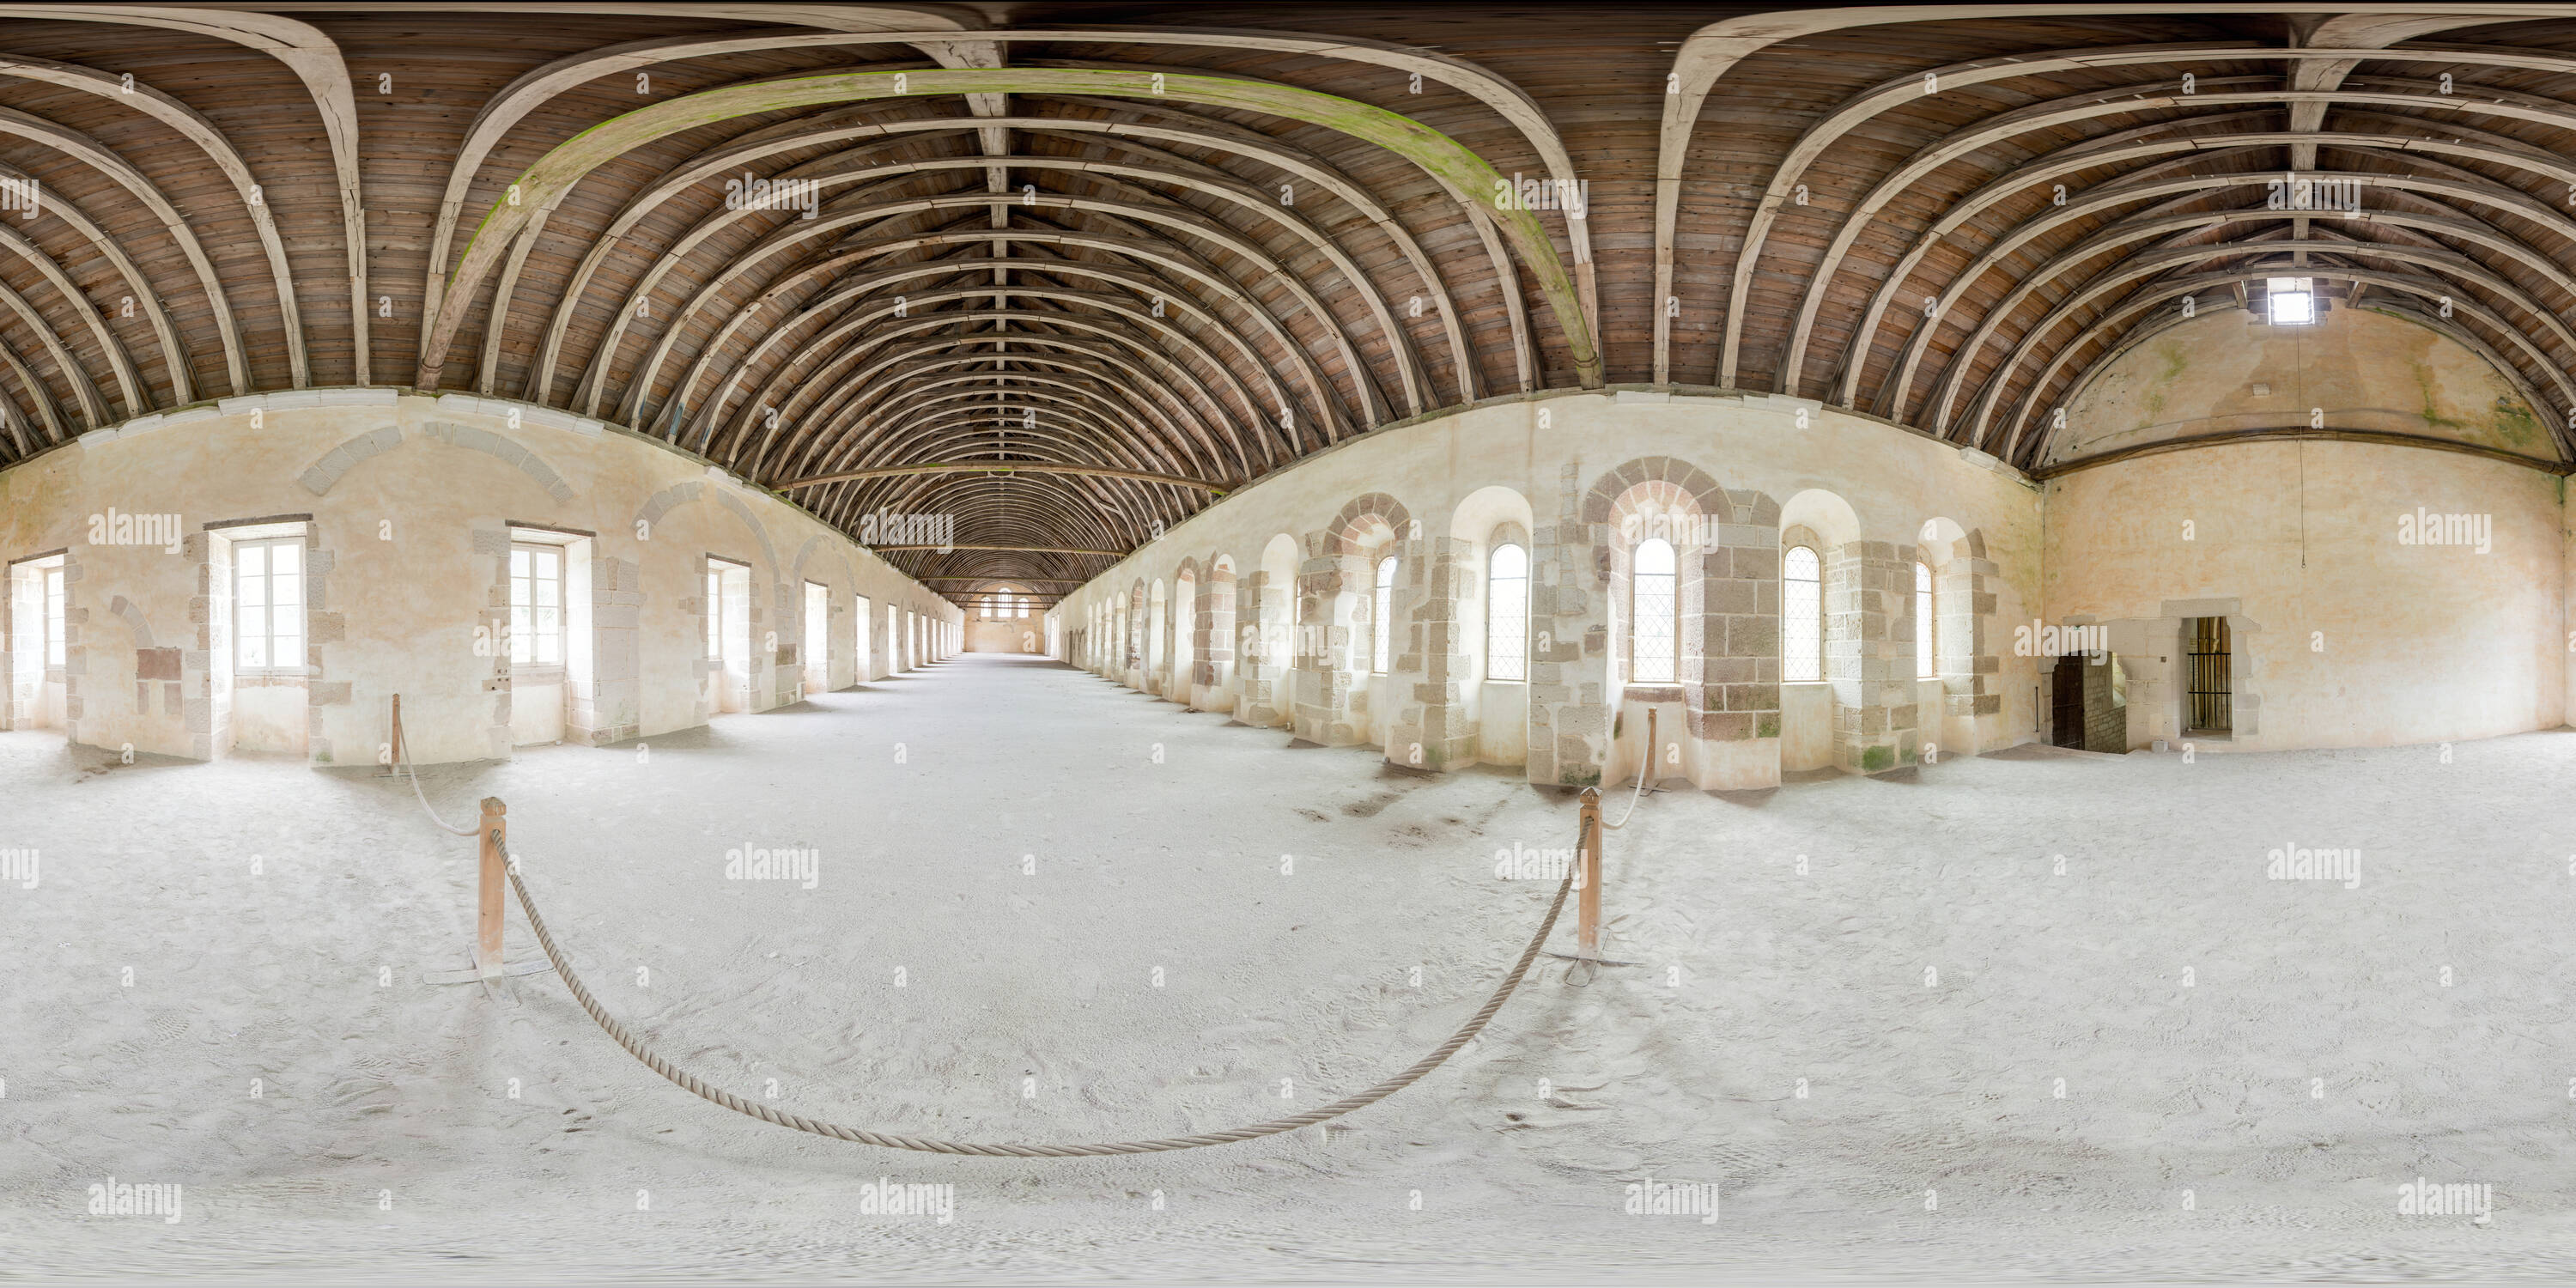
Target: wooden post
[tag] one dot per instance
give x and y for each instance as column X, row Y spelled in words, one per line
column 1588, row 878
column 394, row 745
column 487, row 922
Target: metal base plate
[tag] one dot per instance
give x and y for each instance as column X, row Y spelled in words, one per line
column 1596, row 961
column 469, row 975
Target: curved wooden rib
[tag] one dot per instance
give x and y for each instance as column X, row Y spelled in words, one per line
column 1460, row 171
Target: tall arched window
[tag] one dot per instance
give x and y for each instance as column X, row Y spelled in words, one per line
column 1385, row 614
column 1651, row 609
column 1507, row 615
column 1802, row 617
column 1923, row 662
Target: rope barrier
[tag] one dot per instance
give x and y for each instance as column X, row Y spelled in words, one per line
column 1640, row 793
column 402, row 761
column 692, row 1084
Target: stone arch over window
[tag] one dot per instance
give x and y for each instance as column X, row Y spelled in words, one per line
column 1678, row 505
column 1353, row 533
column 1335, row 601
column 1727, row 601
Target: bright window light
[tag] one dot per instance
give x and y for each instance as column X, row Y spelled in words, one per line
column 2293, row 301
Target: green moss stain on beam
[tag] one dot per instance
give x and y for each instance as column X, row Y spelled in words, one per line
column 1469, row 178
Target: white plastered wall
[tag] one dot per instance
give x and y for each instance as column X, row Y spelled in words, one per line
column 411, row 499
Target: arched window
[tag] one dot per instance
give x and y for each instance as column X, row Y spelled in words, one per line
column 1507, row 615
column 1385, row 613
column 1652, row 610
column 1923, row 662
column 1802, row 617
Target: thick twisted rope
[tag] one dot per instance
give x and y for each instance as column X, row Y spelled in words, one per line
column 402, row 762
column 690, row 1082
column 1639, row 795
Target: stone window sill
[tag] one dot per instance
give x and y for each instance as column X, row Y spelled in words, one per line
column 1651, row 693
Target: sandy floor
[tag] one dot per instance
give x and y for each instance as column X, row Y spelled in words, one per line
column 277, row 923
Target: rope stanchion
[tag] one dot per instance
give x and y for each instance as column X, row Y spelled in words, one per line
column 695, row 1086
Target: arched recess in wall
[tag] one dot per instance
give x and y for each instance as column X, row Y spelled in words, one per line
column 1269, row 631
column 1179, row 681
column 1653, row 499
column 326, row 473
column 1497, row 709
column 1965, row 667
column 1707, row 637
column 1810, row 711
column 1370, row 529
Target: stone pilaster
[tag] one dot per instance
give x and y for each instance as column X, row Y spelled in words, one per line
column 1266, row 629
column 1733, row 708
column 1869, row 606
column 1212, row 646
column 1329, row 619
column 1430, row 729
column 1569, row 715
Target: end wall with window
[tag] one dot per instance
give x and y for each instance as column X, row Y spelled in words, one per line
column 2343, row 633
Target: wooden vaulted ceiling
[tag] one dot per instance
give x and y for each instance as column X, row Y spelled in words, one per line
column 1077, row 268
